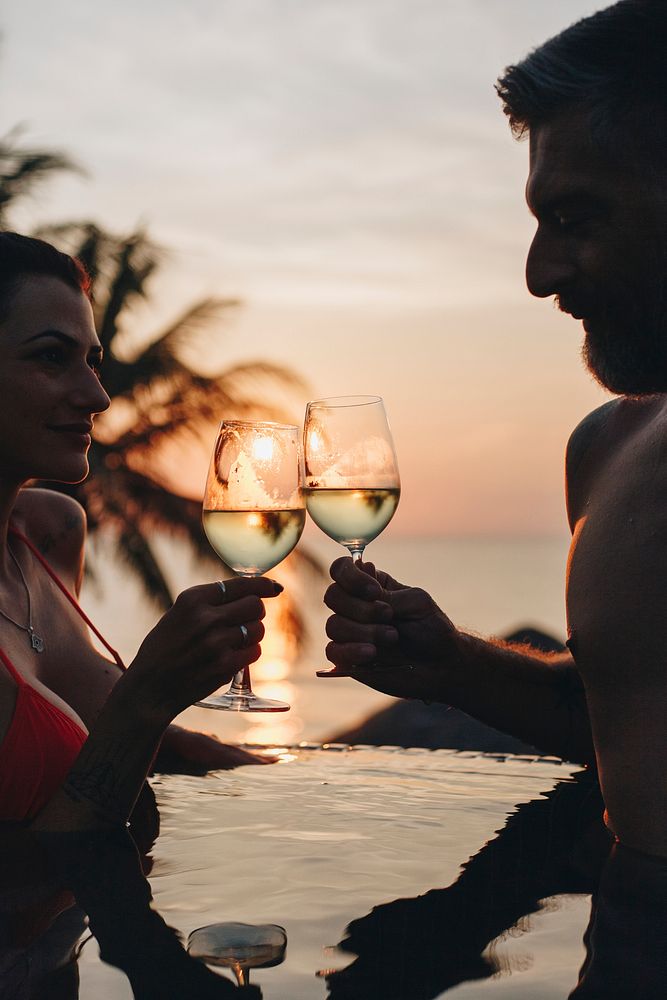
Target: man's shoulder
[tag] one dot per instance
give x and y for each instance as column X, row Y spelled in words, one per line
column 589, row 429
column 607, row 425
column 55, row 524
column 599, row 436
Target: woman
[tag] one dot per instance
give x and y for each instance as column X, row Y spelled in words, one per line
column 78, row 733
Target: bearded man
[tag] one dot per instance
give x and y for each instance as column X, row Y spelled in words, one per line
column 593, row 103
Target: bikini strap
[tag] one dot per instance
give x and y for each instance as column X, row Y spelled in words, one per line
column 73, row 601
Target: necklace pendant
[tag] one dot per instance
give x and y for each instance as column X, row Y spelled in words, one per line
column 36, row 642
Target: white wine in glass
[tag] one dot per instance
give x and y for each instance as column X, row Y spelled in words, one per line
column 253, row 515
column 352, row 486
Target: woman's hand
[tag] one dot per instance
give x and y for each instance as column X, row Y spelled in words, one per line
column 186, row 752
column 198, row 645
column 391, row 637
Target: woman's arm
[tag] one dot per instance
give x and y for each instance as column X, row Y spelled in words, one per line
column 195, row 648
column 183, row 751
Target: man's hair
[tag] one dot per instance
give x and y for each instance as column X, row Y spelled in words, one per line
column 612, row 64
column 24, row 257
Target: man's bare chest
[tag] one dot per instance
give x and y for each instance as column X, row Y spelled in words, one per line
column 617, row 572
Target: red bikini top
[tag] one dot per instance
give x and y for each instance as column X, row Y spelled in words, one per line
column 42, row 742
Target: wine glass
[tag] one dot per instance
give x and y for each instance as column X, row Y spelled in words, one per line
column 352, row 484
column 239, row 947
column 253, row 516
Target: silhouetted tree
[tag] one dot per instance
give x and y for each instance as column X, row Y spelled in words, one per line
column 23, row 169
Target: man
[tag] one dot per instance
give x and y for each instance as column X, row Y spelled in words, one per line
column 593, row 101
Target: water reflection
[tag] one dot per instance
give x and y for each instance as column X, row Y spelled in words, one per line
column 50, row 885
column 417, row 949
column 408, row 949
column 239, row 947
column 626, row 939
column 271, row 729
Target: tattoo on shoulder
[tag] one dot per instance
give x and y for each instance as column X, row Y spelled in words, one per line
column 53, row 538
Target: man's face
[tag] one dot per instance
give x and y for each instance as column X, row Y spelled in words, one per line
column 601, row 249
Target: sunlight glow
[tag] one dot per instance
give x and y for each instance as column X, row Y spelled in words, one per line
column 282, row 690
column 262, row 449
column 277, row 669
column 273, row 730
column 314, row 441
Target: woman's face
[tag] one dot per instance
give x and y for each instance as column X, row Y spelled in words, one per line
column 49, row 387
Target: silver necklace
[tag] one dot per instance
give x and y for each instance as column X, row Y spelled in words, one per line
column 36, row 641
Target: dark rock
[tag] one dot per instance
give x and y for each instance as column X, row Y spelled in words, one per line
column 538, row 640
column 414, row 724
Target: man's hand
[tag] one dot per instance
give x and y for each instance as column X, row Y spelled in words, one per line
column 186, row 752
column 391, row 637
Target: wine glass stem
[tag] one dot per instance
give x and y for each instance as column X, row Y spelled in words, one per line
column 242, row 975
column 357, row 554
column 240, row 686
column 241, row 683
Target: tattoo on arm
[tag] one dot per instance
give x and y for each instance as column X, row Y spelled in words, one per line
column 105, row 780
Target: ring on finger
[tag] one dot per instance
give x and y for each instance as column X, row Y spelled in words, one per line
column 244, row 636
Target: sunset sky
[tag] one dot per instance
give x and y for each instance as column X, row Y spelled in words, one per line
column 345, row 169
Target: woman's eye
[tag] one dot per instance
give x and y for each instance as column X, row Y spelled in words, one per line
column 52, row 355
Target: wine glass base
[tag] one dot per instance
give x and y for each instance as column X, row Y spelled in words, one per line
column 242, row 703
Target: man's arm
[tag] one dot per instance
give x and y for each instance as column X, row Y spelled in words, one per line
column 397, row 640
column 536, row 697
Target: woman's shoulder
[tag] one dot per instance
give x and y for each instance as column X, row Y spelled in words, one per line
column 56, row 526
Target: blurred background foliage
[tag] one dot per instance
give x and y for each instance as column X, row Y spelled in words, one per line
column 161, row 403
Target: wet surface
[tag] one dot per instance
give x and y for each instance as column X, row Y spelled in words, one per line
column 379, row 838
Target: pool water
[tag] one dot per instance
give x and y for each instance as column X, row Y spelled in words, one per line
column 393, row 854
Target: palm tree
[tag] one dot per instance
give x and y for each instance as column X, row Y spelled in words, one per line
column 158, row 401
column 24, row 169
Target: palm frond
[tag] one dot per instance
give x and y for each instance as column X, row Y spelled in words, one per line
column 160, row 362
column 133, row 259
column 133, row 506
column 186, row 402
column 23, row 169
column 170, row 341
column 135, row 552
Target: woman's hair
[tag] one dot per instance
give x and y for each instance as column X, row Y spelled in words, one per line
column 27, row 257
column 612, row 65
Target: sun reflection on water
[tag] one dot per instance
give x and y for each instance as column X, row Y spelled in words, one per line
column 274, row 728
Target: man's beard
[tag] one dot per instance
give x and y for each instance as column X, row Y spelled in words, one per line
column 627, row 363
column 625, row 348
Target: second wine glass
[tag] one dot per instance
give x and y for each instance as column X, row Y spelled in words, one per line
column 352, row 486
column 253, row 516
